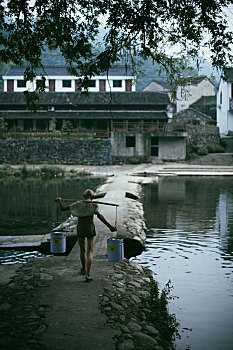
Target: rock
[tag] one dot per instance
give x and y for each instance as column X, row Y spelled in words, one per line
column 46, row 276
column 122, row 318
column 135, row 284
column 151, row 331
column 136, row 299
column 116, row 306
column 144, row 341
column 124, row 329
column 133, row 326
column 126, row 345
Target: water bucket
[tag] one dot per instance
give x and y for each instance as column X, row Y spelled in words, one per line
column 115, row 249
column 58, row 242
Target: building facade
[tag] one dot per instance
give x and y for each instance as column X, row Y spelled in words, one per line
column 57, row 79
column 225, row 104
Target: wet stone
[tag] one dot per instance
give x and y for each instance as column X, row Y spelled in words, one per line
column 151, row 331
column 133, row 326
column 126, row 345
column 144, row 341
column 136, row 299
column 116, row 306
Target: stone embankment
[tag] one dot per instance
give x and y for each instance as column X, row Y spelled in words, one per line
column 127, row 305
column 55, row 151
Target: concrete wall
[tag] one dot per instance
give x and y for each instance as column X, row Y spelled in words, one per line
column 172, row 148
column 55, row 151
column 118, row 144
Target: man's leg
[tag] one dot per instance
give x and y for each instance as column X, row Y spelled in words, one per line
column 90, row 245
column 81, row 242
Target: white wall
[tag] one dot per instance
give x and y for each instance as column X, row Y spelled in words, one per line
column 58, row 83
column 224, row 116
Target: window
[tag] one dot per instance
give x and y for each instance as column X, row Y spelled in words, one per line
column 66, row 83
column 40, row 84
column 130, row 141
column 117, row 83
column 92, row 83
column 21, row 83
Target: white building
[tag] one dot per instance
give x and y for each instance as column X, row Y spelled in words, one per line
column 189, row 94
column 225, row 104
column 57, row 79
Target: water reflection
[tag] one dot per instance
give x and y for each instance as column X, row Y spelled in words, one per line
column 28, row 207
column 190, row 241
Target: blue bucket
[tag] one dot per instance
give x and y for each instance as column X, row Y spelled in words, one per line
column 58, row 242
column 115, row 249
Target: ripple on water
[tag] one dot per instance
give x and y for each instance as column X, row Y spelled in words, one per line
column 8, row 257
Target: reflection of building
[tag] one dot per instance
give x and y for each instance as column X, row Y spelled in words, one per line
column 224, row 211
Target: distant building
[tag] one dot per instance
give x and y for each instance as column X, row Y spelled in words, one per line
column 157, row 86
column 188, row 95
column 225, row 103
column 57, row 79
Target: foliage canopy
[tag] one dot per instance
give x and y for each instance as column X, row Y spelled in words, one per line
column 134, row 30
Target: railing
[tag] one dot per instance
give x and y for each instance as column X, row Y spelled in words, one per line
column 94, row 133
column 147, row 126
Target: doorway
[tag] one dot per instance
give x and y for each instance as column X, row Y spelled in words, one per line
column 154, row 142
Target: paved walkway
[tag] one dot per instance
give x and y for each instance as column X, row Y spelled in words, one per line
column 73, row 318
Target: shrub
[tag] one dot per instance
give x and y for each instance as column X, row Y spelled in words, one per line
column 202, row 151
column 223, row 142
column 191, row 155
column 51, row 171
column 215, row 149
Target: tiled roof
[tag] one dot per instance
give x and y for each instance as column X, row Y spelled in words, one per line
column 204, row 100
column 61, row 71
column 96, row 98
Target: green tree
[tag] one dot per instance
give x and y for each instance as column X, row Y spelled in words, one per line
column 134, row 30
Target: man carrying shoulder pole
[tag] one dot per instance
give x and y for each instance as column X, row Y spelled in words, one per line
column 85, row 211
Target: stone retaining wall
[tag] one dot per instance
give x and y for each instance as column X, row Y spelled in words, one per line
column 203, row 135
column 55, row 151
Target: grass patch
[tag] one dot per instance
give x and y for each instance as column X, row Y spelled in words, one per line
column 164, row 322
column 46, row 171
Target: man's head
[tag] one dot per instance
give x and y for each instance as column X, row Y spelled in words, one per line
column 88, row 194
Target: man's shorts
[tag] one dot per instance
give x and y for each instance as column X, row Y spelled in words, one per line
column 86, row 228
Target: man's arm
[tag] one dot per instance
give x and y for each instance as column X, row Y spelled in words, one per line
column 102, row 218
column 62, row 206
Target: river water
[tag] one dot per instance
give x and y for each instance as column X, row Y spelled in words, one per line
column 190, row 243
column 28, row 208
